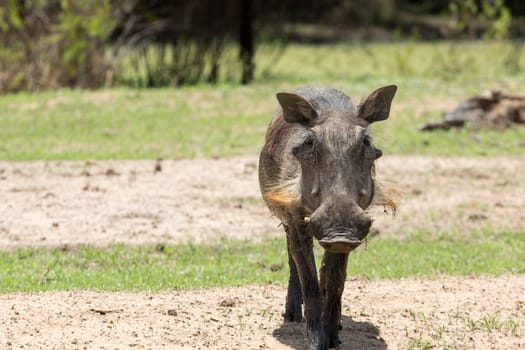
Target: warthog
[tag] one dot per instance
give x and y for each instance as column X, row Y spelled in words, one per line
column 316, row 174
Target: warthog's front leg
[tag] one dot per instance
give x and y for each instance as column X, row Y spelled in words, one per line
column 294, row 298
column 301, row 247
column 333, row 276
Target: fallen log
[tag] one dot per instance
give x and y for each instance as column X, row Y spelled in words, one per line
column 491, row 109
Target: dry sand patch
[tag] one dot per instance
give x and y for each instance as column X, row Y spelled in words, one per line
column 136, row 202
column 447, row 313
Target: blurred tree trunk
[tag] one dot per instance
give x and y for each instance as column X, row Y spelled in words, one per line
column 246, row 41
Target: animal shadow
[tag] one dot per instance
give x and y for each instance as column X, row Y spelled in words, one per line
column 355, row 335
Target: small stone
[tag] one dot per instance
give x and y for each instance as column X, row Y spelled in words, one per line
column 172, row 312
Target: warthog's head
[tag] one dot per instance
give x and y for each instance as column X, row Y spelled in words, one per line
column 336, row 156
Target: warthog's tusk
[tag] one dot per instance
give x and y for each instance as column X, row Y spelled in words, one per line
column 307, row 219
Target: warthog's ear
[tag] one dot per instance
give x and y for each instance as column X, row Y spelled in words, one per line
column 295, row 108
column 376, row 106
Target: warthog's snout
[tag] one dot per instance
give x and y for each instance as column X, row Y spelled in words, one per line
column 340, row 225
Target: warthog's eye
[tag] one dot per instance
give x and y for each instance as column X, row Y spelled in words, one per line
column 306, row 148
column 367, row 141
column 309, row 142
column 369, row 149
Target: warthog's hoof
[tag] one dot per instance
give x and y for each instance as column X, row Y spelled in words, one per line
column 339, row 242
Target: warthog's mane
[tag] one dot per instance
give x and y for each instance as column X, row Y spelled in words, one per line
column 385, row 195
column 285, row 192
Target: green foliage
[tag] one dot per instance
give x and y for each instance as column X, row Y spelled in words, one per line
column 13, row 14
column 499, row 17
column 231, row 262
column 493, row 15
column 65, row 43
column 189, row 62
column 81, row 31
column 54, row 44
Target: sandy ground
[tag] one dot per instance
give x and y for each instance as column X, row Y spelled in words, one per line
column 446, row 313
column 68, row 203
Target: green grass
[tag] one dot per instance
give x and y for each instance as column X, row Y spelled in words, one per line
column 129, row 125
column 224, row 120
column 230, row 263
